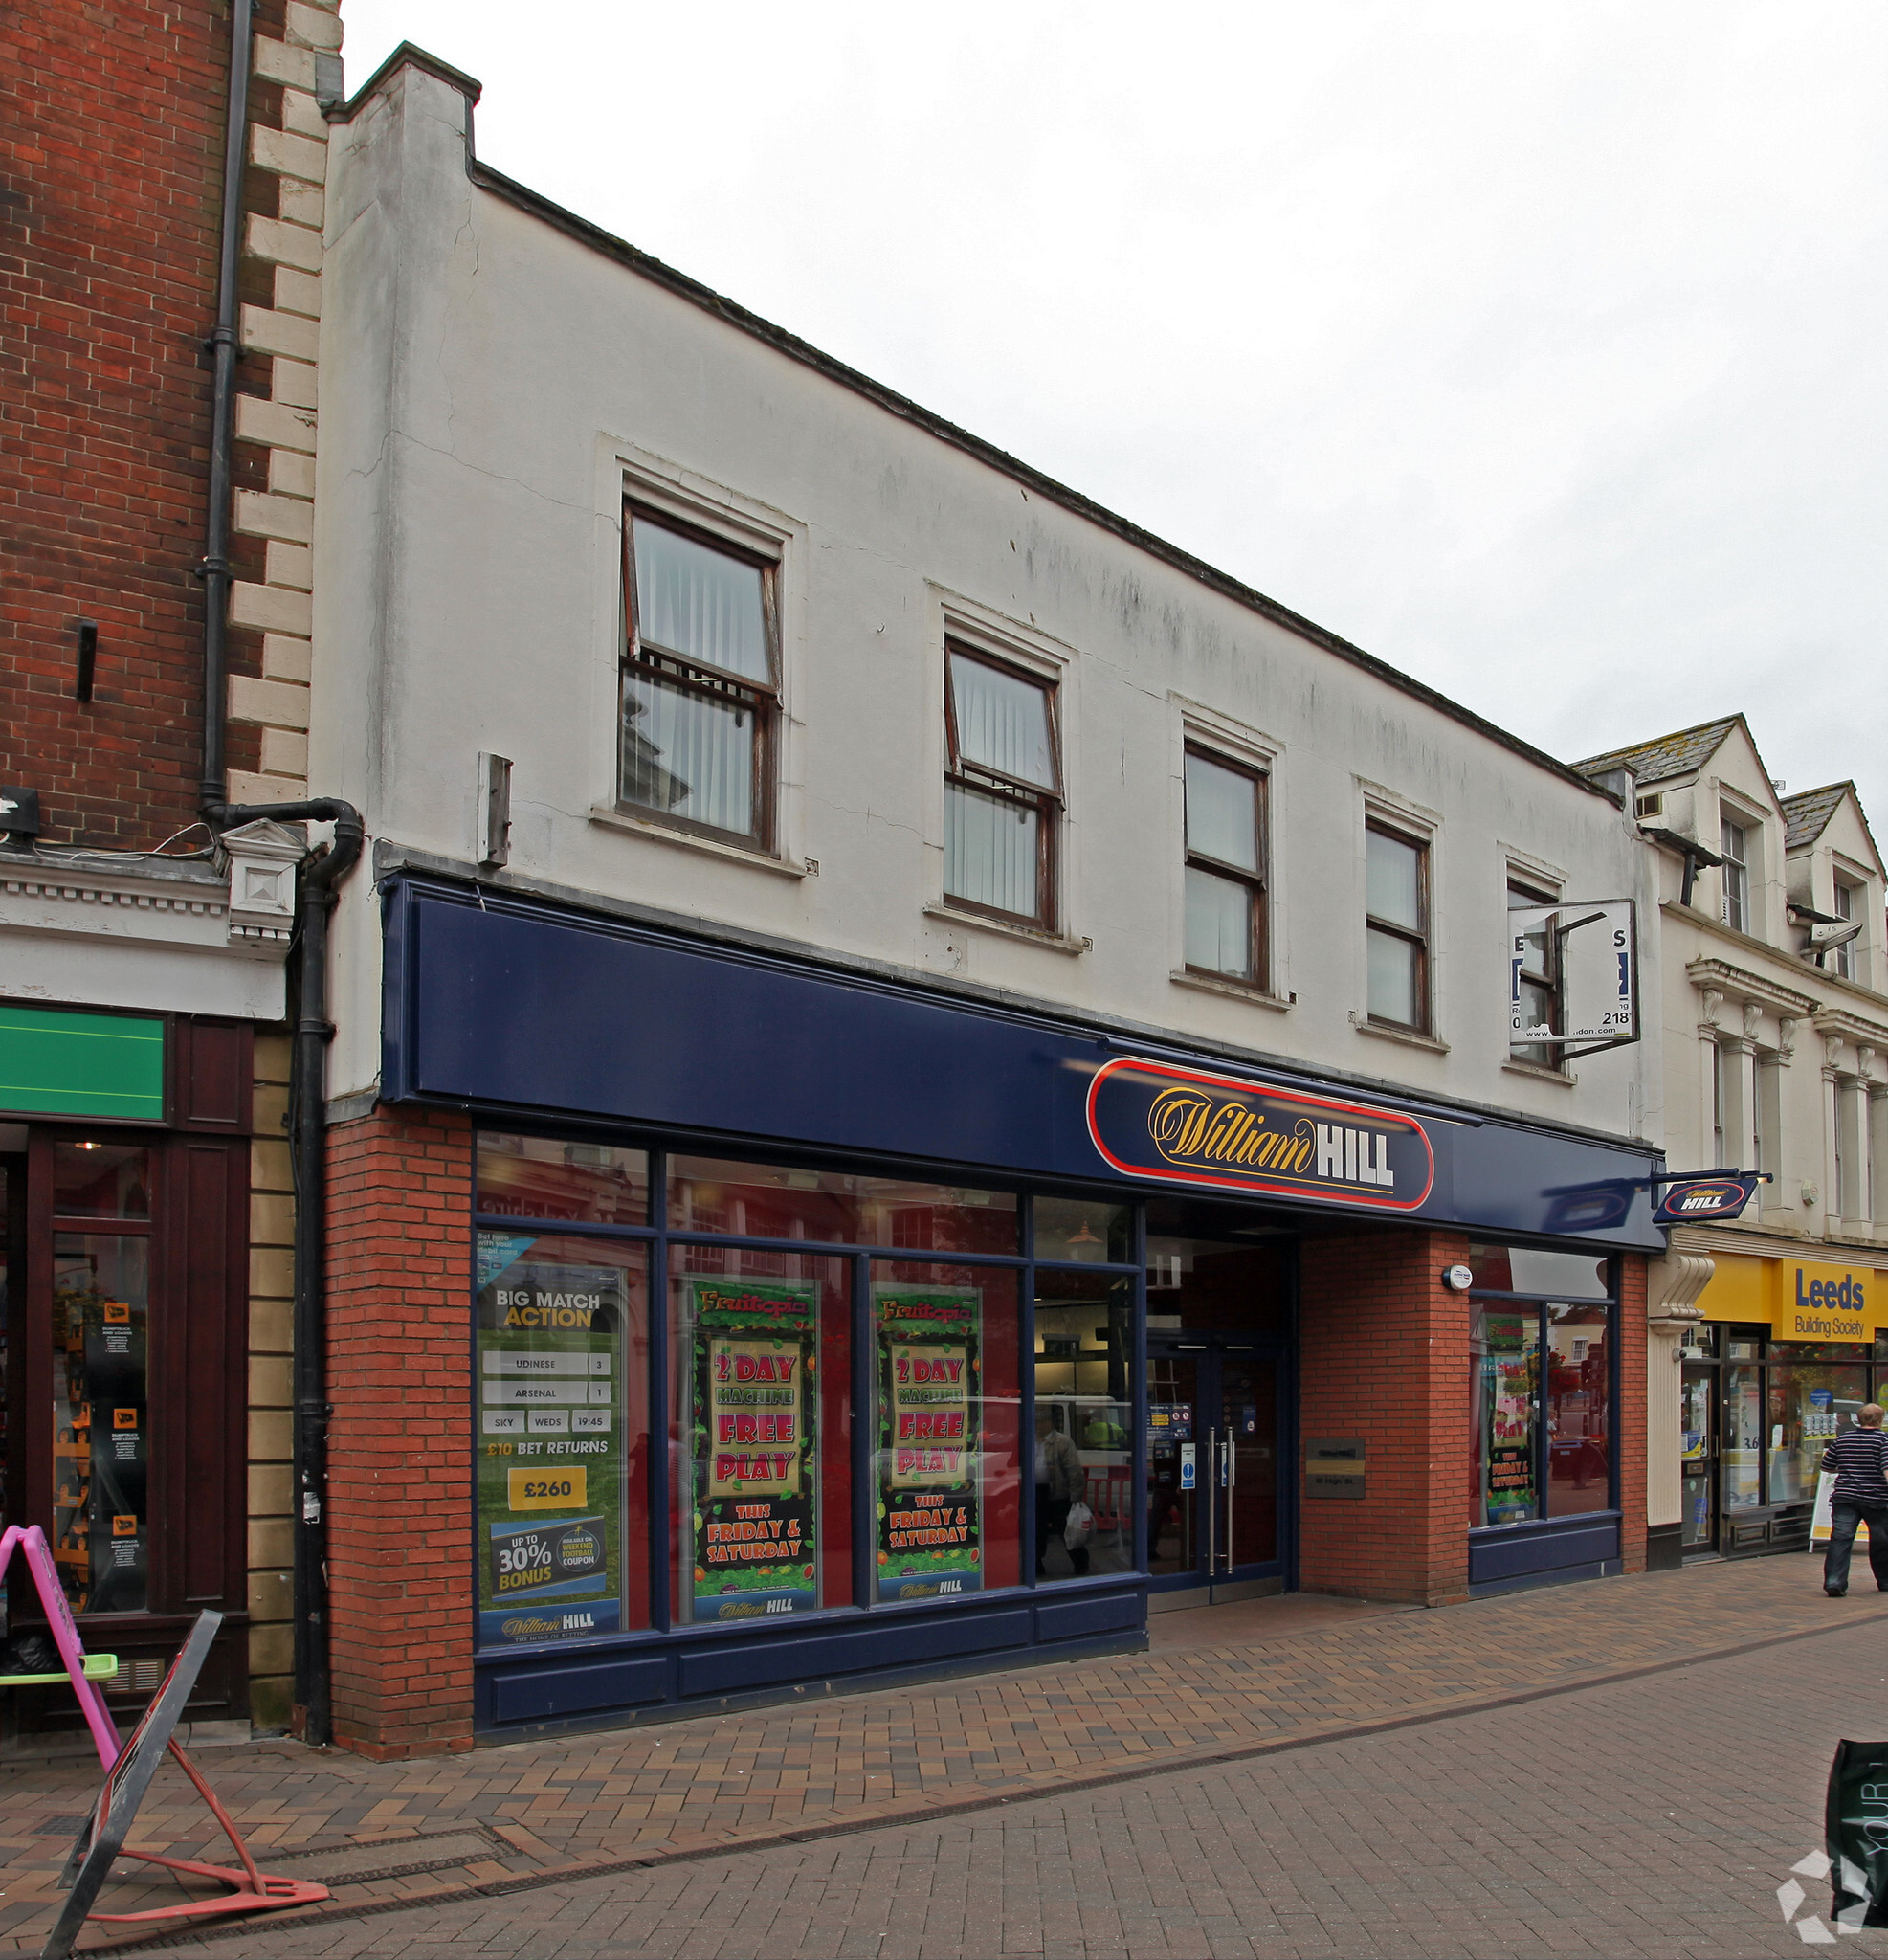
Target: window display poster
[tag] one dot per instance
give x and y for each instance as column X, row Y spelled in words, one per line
column 551, row 1445
column 930, row 1423
column 1509, row 1386
column 755, row 1517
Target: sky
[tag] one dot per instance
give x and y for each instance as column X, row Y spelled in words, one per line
column 1537, row 349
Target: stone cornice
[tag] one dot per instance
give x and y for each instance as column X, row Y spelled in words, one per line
column 1740, row 984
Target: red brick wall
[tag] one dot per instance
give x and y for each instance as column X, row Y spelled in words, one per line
column 1383, row 1354
column 111, row 147
column 400, row 1454
column 1631, row 1419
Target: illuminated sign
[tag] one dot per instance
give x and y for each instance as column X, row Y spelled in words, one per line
column 1154, row 1120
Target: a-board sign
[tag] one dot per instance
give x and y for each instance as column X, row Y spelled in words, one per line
column 1334, row 1466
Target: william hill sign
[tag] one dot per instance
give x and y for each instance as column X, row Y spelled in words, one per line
column 1155, row 1120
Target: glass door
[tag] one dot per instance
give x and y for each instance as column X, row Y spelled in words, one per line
column 1214, row 1491
column 1697, row 1418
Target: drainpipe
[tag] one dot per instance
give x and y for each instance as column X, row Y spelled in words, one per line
column 318, row 887
column 214, row 570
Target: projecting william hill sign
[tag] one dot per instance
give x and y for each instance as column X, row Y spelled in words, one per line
column 1150, row 1119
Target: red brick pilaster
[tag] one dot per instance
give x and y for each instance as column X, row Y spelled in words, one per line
column 400, row 1454
column 1383, row 1354
column 1631, row 1413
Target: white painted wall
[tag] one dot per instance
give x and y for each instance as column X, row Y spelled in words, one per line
column 488, row 382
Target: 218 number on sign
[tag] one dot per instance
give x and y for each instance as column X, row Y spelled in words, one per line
column 547, row 1490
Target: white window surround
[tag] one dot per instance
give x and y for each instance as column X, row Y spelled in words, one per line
column 1376, row 803
column 625, row 472
column 1193, row 723
column 952, row 618
column 1756, row 822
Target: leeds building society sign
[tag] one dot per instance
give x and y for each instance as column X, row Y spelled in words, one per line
column 1150, row 1119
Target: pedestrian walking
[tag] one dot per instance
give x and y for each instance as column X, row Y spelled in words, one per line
column 1060, row 1480
column 1859, row 1458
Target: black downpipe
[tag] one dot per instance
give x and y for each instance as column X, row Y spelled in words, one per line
column 316, row 890
column 222, row 345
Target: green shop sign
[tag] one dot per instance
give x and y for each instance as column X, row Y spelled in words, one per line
column 67, row 1064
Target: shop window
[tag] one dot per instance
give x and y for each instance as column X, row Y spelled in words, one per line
column 1225, row 871
column 1815, row 1392
column 839, row 1208
column 1397, row 927
column 1085, row 1417
column 544, row 1177
column 1507, row 1377
column 1213, row 1285
column 562, row 1327
column 101, row 1419
column 760, row 1366
column 102, row 1181
column 1579, row 1410
column 947, row 1506
column 1742, row 1457
column 1003, row 790
column 1521, row 1269
column 700, row 682
column 1089, row 1233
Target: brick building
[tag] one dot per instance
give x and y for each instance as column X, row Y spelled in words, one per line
column 144, row 1056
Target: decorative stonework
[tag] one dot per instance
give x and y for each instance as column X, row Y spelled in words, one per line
column 280, row 607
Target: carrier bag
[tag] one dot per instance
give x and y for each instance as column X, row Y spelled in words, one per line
column 1080, row 1527
column 1855, row 1829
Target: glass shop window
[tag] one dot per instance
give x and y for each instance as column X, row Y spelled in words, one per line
column 544, row 1178
column 839, row 1208
column 1816, row 1391
column 561, row 1451
column 1743, row 1454
column 1078, row 1230
column 1084, row 1425
column 947, row 1509
column 1506, row 1352
column 1519, row 1269
column 760, row 1423
column 102, row 1181
column 1579, row 1410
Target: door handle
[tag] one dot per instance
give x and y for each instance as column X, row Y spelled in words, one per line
column 1231, row 1482
column 1213, row 1505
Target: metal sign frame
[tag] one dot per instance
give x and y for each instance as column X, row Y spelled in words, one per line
column 1547, row 917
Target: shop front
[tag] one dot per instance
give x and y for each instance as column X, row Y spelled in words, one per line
column 1787, row 1351
column 123, row 1303
column 800, row 1326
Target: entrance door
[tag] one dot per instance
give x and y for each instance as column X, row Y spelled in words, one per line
column 1697, row 1529
column 1214, row 1489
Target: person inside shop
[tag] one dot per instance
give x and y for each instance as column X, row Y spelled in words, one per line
column 1859, row 1458
column 1059, row 1480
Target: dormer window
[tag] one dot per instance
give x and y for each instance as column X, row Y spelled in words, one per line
column 1735, row 845
column 1848, row 907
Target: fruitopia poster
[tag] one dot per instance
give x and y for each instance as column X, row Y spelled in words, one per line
column 755, row 1512
column 930, row 1423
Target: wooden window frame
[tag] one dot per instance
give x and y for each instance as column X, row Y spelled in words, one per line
column 1048, row 804
column 697, row 679
column 1254, row 881
column 1385, row 827
column 1737, row 869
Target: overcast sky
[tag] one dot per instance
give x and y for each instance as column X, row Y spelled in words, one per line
column 1537, row 349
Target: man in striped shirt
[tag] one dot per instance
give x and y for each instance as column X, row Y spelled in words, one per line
column 1859, row 1458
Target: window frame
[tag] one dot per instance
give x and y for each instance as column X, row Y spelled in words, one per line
column 1422, row 844
column 1856, row 907
column 702, row 681
column 1048, row 804
column 1552, row 982
column 1256, row 882
column 1736, row 870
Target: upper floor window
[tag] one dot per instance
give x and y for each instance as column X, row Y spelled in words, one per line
column 1003, row 790
column 1224, row 869
column 700, row 682
column 1397, row 903
column 1848, row 907
column 1538, row 981
column 1735, row 845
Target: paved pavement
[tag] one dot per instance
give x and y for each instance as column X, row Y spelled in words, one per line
column 1199, row 1798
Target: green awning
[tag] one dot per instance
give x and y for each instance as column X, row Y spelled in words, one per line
column 69, row 1064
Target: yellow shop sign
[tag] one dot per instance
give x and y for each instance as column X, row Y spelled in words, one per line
column 1800, row 1299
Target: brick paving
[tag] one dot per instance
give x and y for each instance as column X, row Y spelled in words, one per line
column 1650, row 1818
column 670, row 1791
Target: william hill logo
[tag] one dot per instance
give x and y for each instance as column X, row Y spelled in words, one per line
column 1149, row 1119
